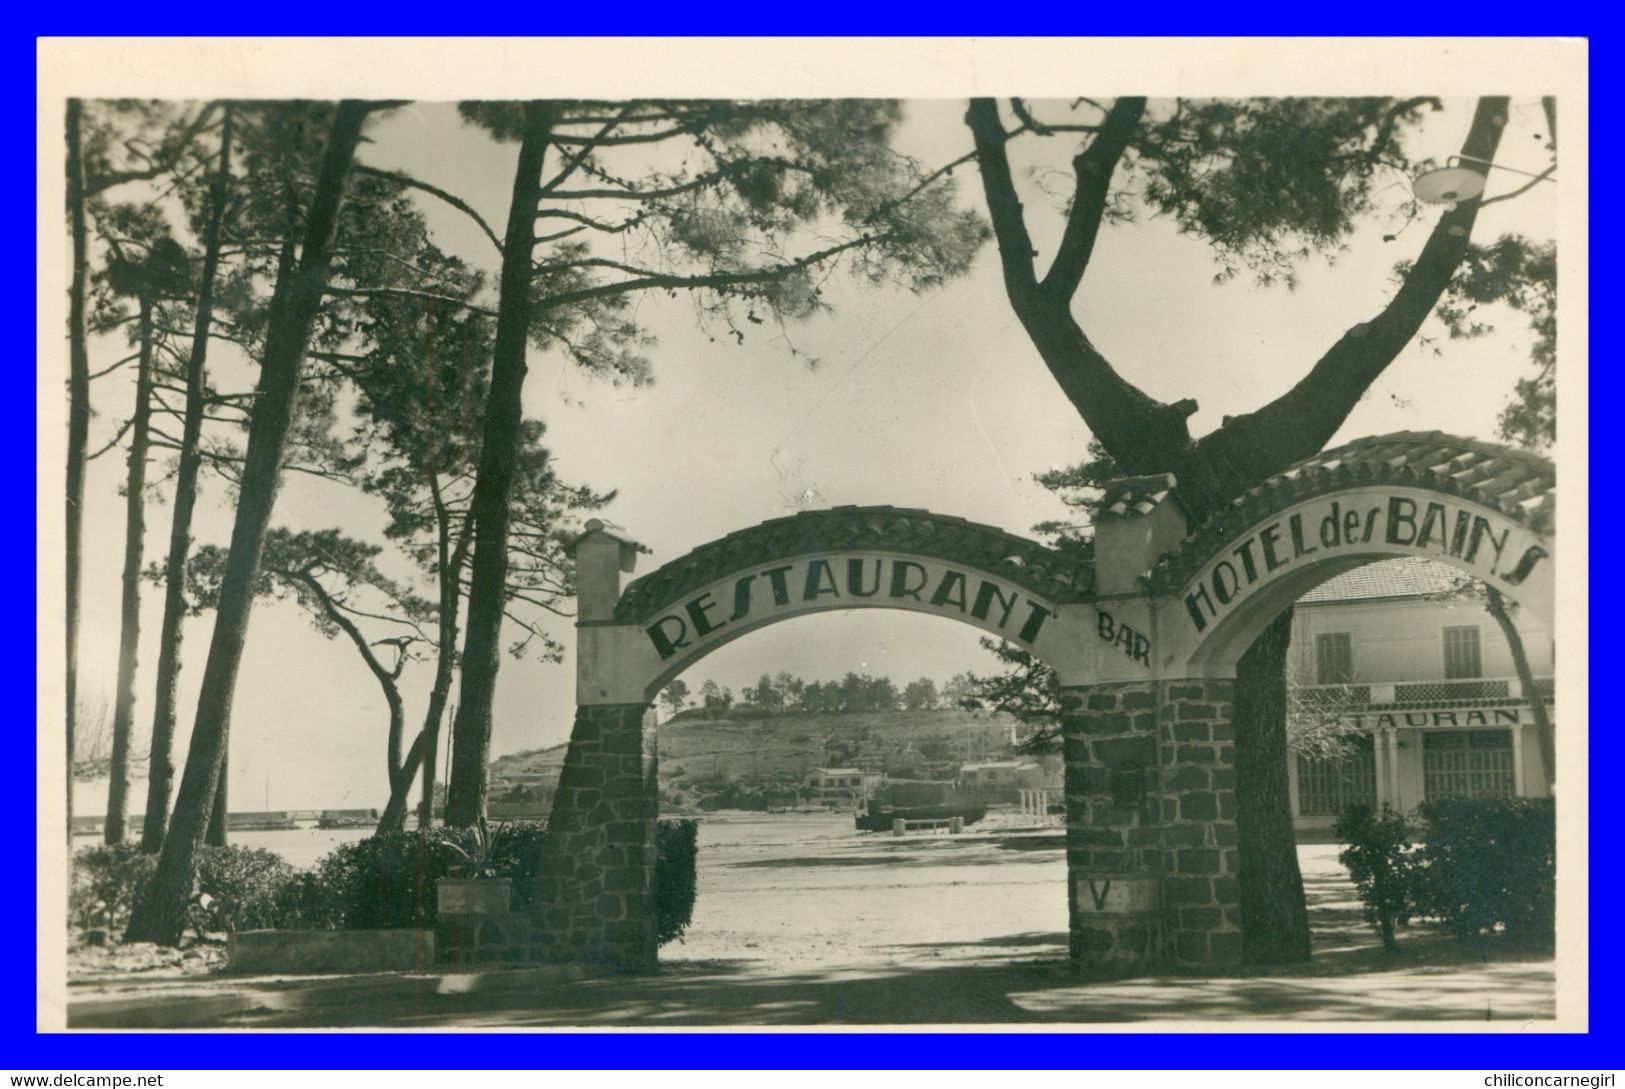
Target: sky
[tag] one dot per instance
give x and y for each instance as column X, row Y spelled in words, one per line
column 935, row 401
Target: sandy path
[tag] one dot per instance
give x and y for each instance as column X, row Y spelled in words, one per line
column 797, row 892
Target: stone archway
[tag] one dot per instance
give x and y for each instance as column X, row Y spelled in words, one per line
column 597, row 882
column 1202, row 595
column 1488, row 510
column 1144, row 640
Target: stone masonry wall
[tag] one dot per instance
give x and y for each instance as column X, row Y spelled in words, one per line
column 595, row 889
column 1113, row 836
column 1151, row 831
column 1201, row 894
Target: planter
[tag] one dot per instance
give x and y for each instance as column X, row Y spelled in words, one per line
column 473, row 895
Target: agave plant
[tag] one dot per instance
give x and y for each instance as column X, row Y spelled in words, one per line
column 478, row 859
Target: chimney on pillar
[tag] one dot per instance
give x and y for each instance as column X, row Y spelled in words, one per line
column 601, row 557
column 1140, row 519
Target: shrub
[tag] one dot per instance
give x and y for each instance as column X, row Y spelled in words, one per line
column 676, row 853
column 1491, row 864
column 389, row 880
column 105, row 883
column 239, row 888
column 307, row 902
column 1382, row 864
column 519, row 858
column 385, row 881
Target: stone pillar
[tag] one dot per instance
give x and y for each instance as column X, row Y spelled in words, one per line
column 595, row 888
column 1200, row 859
column 1399, row 797
column 1379, row 768
column 1113, row 833
column 1517, row 761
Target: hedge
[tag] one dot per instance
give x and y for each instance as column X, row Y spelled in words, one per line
column 389, row 880
column 237, row 888
column 1491, row 864
column 1484, row 866
column 379, row 882
column 676, row 856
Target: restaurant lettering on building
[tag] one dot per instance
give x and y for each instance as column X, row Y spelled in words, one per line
column 1421, row 677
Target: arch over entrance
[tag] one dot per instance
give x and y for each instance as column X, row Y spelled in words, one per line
column 1488, row 510
column 844, row 558
column 1144, row 634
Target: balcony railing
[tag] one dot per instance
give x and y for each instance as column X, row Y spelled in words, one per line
column 1418, row 692
column 1433, row 691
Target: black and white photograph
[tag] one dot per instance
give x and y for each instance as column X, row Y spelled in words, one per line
column 738, row 534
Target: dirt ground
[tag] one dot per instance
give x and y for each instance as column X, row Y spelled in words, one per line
column 799, row 921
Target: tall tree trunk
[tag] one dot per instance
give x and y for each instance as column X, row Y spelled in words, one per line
column 1526, row 678
column 1145, row 435
column 135, row 529
column 161, row 915
column 161, row 759
column 452, row 557
column 434, row 716
column 78, row 434
column 431, row 744
column 220, row 811
column 1274, row 919
column 400, row 788
column 471, row 731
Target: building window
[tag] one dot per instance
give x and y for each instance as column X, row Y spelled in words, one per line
column 1467, row 764
column 1327, row 787
column 1334, row 658
column 1461, row 657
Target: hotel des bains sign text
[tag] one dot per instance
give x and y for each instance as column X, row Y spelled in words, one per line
column 1486, row 544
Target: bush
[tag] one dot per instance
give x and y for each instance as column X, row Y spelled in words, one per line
column 240, row 888
column 237, row 888
column 389, row 880
column 104, row 886
column 676, row 854
column 378, row 882
column 1382, row 864
column 1491, row 864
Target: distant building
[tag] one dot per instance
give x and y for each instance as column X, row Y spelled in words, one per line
column 835, row 787
column 1000, row 780
column 1427, row 684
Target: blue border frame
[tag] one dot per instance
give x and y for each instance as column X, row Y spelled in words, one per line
column 21, row 1048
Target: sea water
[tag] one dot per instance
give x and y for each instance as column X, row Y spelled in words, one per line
column 303, row 847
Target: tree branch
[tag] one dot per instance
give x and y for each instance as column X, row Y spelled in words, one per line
column 573, row 161
column 434, row 191
column 1142, row 433
column 1039, row 128
column 331, row 610
column 110, row 369
column 1003, row 206
column 711, row 280
column 158, row 166
column 1093, row 167
column 122, row 431
column 1301, row 421
column 597, row 225
column 407, row 293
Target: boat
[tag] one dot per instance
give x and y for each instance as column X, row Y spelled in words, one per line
column 273, row 821
column 879, row 817
column 347, row 818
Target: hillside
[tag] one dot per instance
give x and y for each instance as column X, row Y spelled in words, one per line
column 768, row 752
